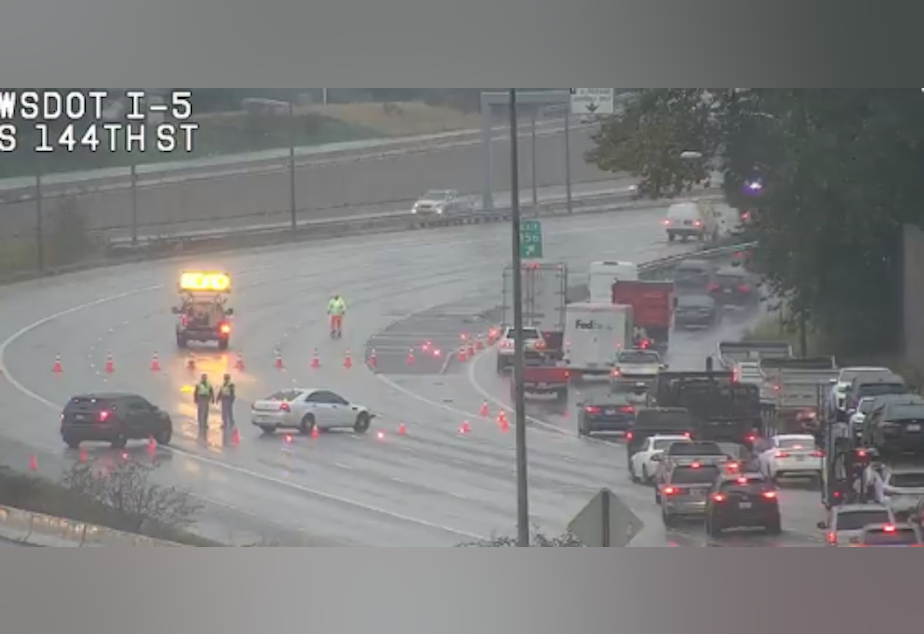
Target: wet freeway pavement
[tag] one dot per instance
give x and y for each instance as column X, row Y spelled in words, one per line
column 432, row 486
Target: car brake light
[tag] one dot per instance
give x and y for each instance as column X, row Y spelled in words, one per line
column 742, row 480
column 718, row 497
column 698, row 223
column 103, row 416
column 744, row 288
column 782, row 454
column 818, row 454
column 667, row 223
column 629, row 435
column 695, row 465
column 627, row 409
column 832, row 538
column 592, row 409
column 616, row 373
column 184, row 320
column 669, row 491
column 284, row 407
column 888, row 529
column 770, row 495
column 225, row 329
column 713, row 287
column 686, row 434
column 733, row 466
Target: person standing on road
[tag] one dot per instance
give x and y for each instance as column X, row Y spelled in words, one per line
column 336, row 308
column 203, row 396
column 226, row 395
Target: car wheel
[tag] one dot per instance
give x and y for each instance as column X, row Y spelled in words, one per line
column 645, row 477
column 72, row 443
column 669, row 521
column 307, row 425
column 632, row 475
column 181, row 342
column 361, row 426
column 775, row 527
column 267, row 429
column 164, row 436
column 119, row 443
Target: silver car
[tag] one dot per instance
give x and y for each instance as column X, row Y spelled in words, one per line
column 845, row 523
column 308, row 410
column 443, row 202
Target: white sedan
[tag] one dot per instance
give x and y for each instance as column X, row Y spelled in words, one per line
column 645, row 461
column 444, row 202
column 307, row 410
column 793, row 455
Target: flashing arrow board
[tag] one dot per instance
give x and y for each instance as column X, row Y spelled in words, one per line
column 593, row 101
column 531, row 239
column 202, row 281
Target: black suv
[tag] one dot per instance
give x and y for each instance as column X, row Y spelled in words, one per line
column 747, row 500
column 734, row 287
column 115, row 418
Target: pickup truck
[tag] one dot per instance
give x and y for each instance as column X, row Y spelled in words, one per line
column 544, row 380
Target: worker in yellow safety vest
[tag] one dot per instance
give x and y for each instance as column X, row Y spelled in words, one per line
column 203, row 397
column 336, row 308
column 226, row 395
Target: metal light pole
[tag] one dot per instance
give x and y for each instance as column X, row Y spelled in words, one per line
column 134, row 175
column 519, row 404
column 39, row 223
column 568, row 159
column 293, row 205
column 532, row 148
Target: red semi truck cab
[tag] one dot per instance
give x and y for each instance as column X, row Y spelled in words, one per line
column 652, row 307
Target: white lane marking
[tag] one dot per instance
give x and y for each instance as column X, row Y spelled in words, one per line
column 12, row 380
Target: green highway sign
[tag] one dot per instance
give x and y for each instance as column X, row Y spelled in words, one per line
column 531, row 239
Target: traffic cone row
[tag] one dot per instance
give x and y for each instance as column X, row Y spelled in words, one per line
column 471, row 346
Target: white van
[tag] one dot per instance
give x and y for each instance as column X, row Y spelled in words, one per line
column 692, row 219
column 602, row 275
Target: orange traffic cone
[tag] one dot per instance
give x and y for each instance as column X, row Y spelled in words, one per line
column 410, row 357
column 479, row 344
column 33, row 463
column 110, row 364
column 315, row 359
column 503, row 422
column 462, row 355
column 277, row 363
column 314, row 432
column 470, row 350
column 236, row 437
column 485, row 412
column 465, row 428
column 155, row 363
column 57, row 368
column 348, row 360
column 152, row 446
column 191, row 362
column 83, row 455
column 373, row 360
column 239, row 362
column 402, row 429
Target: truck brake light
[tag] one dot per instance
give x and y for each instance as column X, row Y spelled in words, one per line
column 225, row 329
column 184, row 321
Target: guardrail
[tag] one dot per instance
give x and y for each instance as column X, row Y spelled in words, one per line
column 35, row 529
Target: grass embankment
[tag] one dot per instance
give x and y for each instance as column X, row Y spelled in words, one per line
column 773, row 328
column 241, row 132
column 40, row 495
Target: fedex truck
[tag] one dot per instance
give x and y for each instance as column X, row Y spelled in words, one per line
column 594, row 333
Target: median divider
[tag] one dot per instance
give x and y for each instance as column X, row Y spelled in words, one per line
column 37, row 530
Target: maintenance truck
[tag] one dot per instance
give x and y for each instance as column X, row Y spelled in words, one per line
column 731, row 353
column 796, row 390
column 657, row 421
column 204, row 315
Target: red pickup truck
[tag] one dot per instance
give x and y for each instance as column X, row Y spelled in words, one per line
column 544, row 380
column 652, row 307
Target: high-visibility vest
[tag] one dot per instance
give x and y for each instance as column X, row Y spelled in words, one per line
column 226, row 390
column 337, row 307
column 203, row 389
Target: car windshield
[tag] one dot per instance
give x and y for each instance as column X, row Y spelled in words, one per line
column 905, row 412
column 639, row 356
column 797, row 443
column 856, row 520
column 528, row 334
column 283, row 395
column 662, row 444
column 705, row 474
column 901, row 536
column 437, row 194
column 878, row 389
column 696, row 449
column 911, row 480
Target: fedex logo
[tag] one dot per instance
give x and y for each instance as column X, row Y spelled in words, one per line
column 588, row 324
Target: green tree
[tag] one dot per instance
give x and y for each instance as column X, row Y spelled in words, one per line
column 841, row 173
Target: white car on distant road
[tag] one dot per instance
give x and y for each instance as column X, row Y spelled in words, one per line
column 645, row 461
column 792, row 455
column 444, row 202
column 307, row 410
